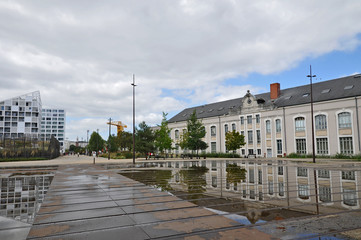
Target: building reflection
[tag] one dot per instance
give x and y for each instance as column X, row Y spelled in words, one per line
column 274, row 183
column 21, row 196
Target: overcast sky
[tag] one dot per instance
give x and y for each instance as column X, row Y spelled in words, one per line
column 81, row 54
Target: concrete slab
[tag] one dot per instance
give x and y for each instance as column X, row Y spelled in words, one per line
column 76, row 207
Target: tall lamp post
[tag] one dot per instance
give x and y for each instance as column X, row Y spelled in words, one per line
column 97, row 142
column 87, row 142
column 110, row 122
column 312, row 121
column 133, row 84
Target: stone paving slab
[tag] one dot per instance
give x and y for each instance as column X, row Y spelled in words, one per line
column 90, row 202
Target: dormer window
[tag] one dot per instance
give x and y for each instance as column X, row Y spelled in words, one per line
column 305, row 95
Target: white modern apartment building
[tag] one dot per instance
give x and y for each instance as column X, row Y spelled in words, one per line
column 279, row 122
column 20, row 116
column 53, row 124
column 23, row 116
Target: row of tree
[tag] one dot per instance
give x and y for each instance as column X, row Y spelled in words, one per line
column 149, row 141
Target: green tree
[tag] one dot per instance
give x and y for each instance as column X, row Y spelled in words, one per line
column 144, row 139
column 96, row 142
column 113, row 141
column 234, row 140
column 194, row 134
column 162, row 139
column 125, row 141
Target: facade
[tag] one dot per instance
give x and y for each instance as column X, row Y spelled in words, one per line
column 53, row 124
column 20, row 116
column 279, row 122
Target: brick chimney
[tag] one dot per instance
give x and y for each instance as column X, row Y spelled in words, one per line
column 275, row 90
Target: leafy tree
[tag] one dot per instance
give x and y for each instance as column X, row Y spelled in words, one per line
column 144, row 139
column 96, row 142
column 113, row 141
column 234, row 140
column 125, row 141
column 162, row 139
column 235, row 174
column 194, row 134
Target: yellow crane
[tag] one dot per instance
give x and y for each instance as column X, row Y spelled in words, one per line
column 119, row 124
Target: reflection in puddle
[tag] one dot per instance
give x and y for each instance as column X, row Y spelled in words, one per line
column 22, row 194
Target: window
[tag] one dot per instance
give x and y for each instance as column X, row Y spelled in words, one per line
column 349, row 197
column 303, row 191
column 213, row 131
column 270, row 187
column 278, row 125
column 213, row 147
column 214, row 181
column 226, row 128
column 300, row 124
column 348, row 175
column 260, row 195
column 176, row 134
column 325, row 193
column 301, row 146
column 321, row 122
column 242, row 133
column 252, row 194
column 280, row 170
column 346, row 145
column 279, row 146
column 258, row 132
column 322, row 146
column 258, row 120
column 268, row 126
column 259, row 176
column 322, row 173
column 249, row 119
column 251, row 175
column 250, row 137
column 281, row 189
column 233, row 127
column 301, row 172
column 344, row 120
column 242, row 120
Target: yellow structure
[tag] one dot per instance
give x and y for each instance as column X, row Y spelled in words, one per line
column 120, row 126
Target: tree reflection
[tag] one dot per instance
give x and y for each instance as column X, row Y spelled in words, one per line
column 235, row 174
column 156, row 178
column 194, row 178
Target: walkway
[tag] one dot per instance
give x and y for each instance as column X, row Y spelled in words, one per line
column 90, row 202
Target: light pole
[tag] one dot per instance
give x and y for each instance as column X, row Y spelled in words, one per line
column 87, row 142
column 133, row 84
column 97, row 141
column 312, row 130
column 110, row 122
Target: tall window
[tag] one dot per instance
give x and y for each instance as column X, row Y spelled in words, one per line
column 349, row 197
column 250, row 137
column 242, row 120
column 213, row 131
column 281, row 189
column 176, row 133
column 322, row 146
column 279, row 146
column 258, row 120
column 278, row 125
column 213, row 147
column 325, row 194
column 249, row 119
column 258, row 136
column 344, row 120
column 233, row 127
column 270, row 188
column 301, row 146
column 226, row 128
column 346, row 145
column 321, row 122
column 268, row 126
column 251, row 175
column 300, row 124
column 303, row 191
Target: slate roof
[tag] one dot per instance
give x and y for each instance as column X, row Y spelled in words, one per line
column 339, row 88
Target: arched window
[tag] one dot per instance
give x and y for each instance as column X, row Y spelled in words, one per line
column 176, row 134
column 300, row 124
column 321, row 122
column 226, row 128
column 268, row 126
column 213, row 131
column 344, row 120
column 278, row 125
column 233, row 127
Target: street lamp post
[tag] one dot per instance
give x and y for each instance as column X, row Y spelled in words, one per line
column 110, row 122
column 97, row 142
column 312, row 121
column 133, row 84
column 87, row 142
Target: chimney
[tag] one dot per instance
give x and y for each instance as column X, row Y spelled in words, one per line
column 275, row 90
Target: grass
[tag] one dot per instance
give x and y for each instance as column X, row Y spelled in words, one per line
column 22, row 159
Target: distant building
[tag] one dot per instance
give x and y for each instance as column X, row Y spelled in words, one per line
column 53, row 124
column 279, row 122
column 23, row 116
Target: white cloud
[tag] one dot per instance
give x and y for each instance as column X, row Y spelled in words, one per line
column 81, row 54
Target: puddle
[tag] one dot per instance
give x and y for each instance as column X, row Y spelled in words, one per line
column 22, row 193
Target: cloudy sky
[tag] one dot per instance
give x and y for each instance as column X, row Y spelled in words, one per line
column 81, row 54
